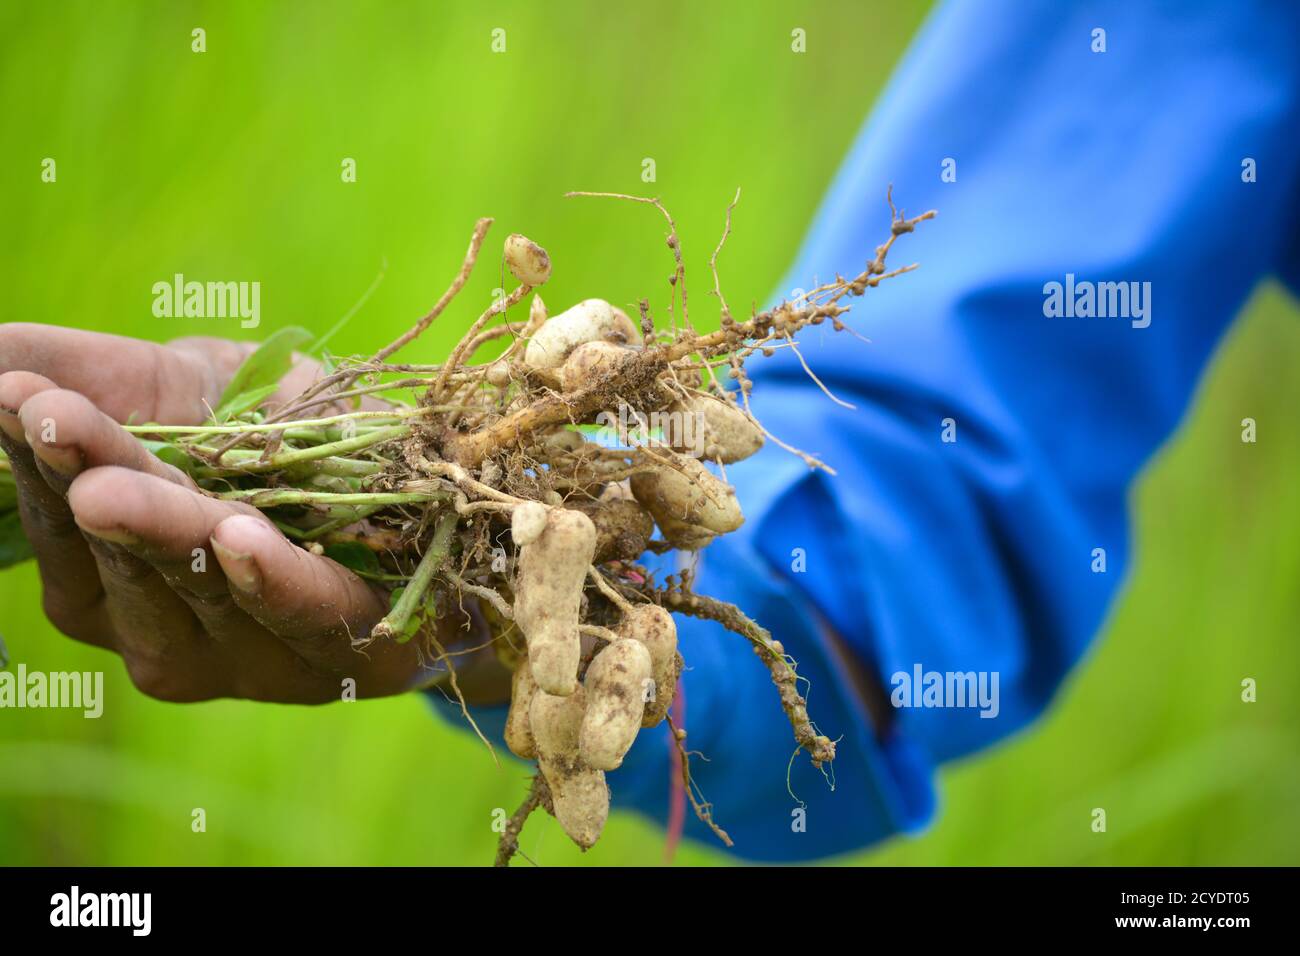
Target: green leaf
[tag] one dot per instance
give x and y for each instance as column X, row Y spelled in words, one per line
column 417, row 618
column 169, row 453
column 412, row 627
column 14, row 546
column 267, row 365
column 244, row 402
column 354, row 556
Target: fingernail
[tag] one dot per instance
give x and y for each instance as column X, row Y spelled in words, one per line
column 11, row 425
column 66, row 461
column 241, row 570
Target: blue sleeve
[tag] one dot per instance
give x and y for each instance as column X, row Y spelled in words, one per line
column 979, row 555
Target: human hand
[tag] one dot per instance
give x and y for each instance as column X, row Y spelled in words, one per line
column 201, row 598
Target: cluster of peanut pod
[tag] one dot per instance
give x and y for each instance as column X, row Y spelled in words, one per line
column 579, row 730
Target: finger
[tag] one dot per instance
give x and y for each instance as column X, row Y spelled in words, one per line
column 69, row 435
column 15, row 389
column 314, row 604
column 163, row 522
column 167, row 527
column 70, row 587
column 127, row 378
column 157, row 629
column 293, row 593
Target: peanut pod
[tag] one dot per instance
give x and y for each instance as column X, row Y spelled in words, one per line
column 716, row 429
column 616, row 685
column 654, row 627
column 622, row 528
column 527, row 261
column 684, row 536
column 587, row 362
column 548, row 597
column 688, row 493
column 591, row 320
column 519, row 730
column 579, row 794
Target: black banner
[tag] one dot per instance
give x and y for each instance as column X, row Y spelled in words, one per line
column 370, row 905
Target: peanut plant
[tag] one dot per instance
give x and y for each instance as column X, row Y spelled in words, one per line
column 476, row 482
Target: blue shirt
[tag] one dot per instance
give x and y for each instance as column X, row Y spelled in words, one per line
column 979, row 554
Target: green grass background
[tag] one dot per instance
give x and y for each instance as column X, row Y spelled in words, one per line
column 226, row 165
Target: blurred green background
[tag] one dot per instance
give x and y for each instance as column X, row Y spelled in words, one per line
column 226, row 164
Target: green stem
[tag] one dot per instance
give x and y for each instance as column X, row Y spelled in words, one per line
column 275, row 497
column 394, row 625
column 295, row 456
column 338, row 467
column 327, row 433
column 250, row 428
column 380, row 578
